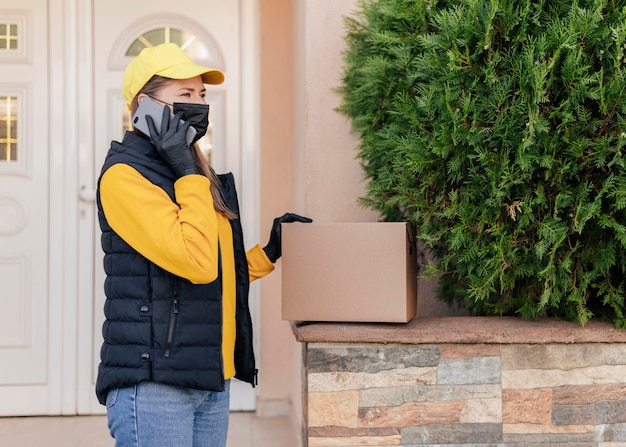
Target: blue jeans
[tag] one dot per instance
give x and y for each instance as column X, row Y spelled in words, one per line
column 156, row 415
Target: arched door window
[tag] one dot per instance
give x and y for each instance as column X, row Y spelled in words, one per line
column 168, row 34
column 194, row 48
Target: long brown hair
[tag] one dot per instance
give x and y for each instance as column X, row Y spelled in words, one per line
column 151, row 88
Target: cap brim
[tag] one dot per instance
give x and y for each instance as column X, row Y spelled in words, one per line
column 186, row 71
column 213, row 77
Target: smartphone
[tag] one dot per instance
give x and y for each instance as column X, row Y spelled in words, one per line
column 155, row 110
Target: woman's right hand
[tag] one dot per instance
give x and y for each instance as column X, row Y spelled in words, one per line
column 171, row 143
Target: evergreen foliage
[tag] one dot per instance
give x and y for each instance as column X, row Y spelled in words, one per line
column 498, row 128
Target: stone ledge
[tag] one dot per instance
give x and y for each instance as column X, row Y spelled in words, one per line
column 476, row 330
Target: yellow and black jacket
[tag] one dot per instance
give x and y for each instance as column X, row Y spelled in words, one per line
column 177, row 276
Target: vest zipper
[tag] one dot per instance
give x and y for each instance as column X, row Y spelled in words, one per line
column 170, row 331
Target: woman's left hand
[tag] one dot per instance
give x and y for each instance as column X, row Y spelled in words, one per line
column 273, row 249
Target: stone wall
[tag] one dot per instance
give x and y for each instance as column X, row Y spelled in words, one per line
column 450, row 393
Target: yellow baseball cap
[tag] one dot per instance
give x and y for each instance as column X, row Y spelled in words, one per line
column 167, row 60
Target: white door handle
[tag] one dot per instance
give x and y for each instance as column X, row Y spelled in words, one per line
column 87, row 194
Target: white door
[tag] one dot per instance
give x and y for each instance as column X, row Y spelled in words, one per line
column 25, row 347
column 210, row 31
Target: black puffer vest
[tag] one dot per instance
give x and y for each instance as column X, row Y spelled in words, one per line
column 160, row 327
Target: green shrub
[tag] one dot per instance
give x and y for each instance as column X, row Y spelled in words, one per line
column 498, row 127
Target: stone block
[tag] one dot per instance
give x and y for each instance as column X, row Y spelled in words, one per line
column 549, row 439
column 526, row 443
column 473, row 370
column 547, row 429
column 560, row 356
column 349, row 432
column 532, row 406
column 550, row 378
column 481, row 411
column 369, row 358
column 462, row 434
column 341, row 436
column 373, row 441
column 340, row 381
column 587, row 394
column 416, row 413
column 603, row 412
column 395, row 396
column 614, row 434
column 339, row 409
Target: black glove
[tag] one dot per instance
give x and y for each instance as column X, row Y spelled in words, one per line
column 171, row 143
column 273, row 249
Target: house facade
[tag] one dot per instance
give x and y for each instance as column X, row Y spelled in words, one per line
column 273, row 125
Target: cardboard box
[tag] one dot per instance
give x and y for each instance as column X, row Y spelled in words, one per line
column 365, row 272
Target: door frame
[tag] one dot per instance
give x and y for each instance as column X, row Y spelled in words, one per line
column 73, row 232
column 69, row 136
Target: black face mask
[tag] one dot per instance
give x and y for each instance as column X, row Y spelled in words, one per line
column 196, row 114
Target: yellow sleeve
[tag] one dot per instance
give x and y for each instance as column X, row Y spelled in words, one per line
column 180, row 238
column 259, row 264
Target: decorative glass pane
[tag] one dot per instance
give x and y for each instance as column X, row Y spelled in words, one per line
column 8, row 36
column 8, row 128
column 187, row 41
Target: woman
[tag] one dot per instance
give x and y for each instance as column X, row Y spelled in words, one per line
column 177, row 326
